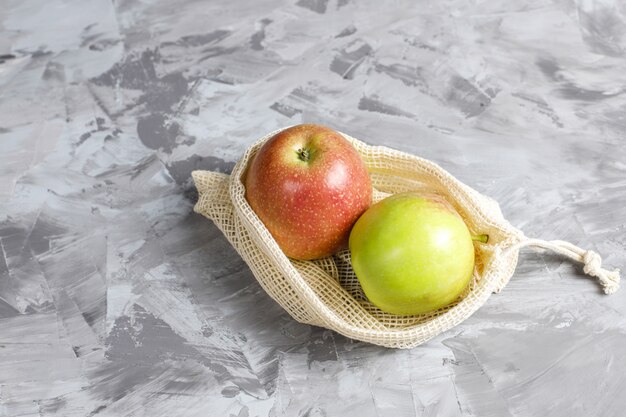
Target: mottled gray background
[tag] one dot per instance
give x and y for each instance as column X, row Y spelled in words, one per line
column 117, row 300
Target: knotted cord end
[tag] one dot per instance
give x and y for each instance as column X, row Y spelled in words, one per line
column 591, row 260
column 593, row 266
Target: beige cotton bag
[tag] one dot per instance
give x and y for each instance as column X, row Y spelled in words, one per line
column 326, row 292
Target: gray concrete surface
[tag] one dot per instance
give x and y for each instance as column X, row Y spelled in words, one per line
column 116, row 300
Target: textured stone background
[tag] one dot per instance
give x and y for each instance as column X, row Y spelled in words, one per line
column 116, row 300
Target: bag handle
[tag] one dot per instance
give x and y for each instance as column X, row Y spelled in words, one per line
column 592, row 261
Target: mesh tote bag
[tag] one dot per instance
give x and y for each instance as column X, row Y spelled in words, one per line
column 326, row 292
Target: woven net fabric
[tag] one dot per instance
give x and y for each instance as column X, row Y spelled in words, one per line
column 326, row 292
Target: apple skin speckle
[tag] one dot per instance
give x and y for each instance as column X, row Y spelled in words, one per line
column 309, row 204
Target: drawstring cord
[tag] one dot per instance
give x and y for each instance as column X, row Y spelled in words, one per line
column 591, row 260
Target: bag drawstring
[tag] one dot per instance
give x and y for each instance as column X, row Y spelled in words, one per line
column 591, row 260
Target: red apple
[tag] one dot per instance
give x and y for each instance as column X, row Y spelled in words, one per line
column 308, row 185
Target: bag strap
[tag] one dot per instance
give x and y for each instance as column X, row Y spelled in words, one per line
column 592, row 261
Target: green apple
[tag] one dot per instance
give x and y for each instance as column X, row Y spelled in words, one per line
column 412, row 253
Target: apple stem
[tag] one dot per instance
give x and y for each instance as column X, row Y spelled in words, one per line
column 304, row 154
column 481, row 238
